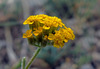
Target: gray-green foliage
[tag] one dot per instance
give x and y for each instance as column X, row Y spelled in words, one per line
column 18, row 7
column 51, row 54
column 69, row 8
column 15, row 11
column 48, row 54
column 84, row 59
column 3, row 6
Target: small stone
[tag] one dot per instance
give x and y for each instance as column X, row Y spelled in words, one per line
column 97, row 34
column 86, row 66
column 40, row 64
column 96, row 56
column 2, row 43
column 68, row 66
column 85, row 42
column 91, row 32
column 98, row 43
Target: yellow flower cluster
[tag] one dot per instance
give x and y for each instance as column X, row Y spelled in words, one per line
column 61, row 36
column 46, row 29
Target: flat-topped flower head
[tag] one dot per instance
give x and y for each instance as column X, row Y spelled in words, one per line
column 47, row 29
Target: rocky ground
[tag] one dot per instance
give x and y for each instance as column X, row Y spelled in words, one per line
column 82, row 53
column 86, row 44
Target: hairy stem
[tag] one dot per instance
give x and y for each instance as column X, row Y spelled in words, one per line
column 23, row 63
column 33, row 57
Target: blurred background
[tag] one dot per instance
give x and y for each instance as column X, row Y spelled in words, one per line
column 83, row 16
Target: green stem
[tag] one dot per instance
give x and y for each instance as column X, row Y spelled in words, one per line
column 33, row 57
column 23, row 63
column 37, row 45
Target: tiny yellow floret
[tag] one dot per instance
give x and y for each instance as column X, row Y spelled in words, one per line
column 28, row 34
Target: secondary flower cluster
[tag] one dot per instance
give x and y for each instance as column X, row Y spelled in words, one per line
column 47, row 30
